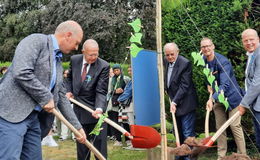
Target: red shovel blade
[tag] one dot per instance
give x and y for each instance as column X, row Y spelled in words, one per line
column 144, row 137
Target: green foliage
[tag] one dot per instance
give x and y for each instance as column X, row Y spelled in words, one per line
column 223, row 21
column 104, row 21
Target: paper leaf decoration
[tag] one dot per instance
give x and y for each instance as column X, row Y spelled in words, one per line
column 201, row 61
column 206, row 71
column 195, row 56
column 221, row 97
column 226, row 104
column 211, row 78
column 136, row 38
column 136, row 25
column 97, row 129
column 134, row 50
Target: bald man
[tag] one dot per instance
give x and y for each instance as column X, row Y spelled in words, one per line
column 31, row 89
column 87, row 82
column 251, row 100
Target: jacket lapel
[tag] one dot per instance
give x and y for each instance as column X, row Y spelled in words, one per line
column 77, row 70
column 174, row 70
column 51, row 57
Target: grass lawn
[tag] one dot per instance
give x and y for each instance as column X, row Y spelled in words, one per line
column 67, row 151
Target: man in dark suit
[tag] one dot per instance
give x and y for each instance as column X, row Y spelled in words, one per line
column 87, row 82
column 180, row 88
column 31, row 87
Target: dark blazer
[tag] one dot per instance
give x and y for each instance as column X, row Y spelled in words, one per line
column 91, row 92
column 181, row 89
column 225, row 77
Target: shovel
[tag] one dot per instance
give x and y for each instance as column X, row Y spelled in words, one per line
column 207, row 123
column 208, row 142
column 180, row 150
column 176, row 130
column 207, row 119
column 76, row 132
column 140, row 136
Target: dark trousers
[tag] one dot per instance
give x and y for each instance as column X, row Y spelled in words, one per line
column 21, row 141
column 100, row 142
column 186, row 125
column 114, row 132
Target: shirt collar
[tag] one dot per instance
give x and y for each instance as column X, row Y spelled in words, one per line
column 84, row 61
column 55, row 43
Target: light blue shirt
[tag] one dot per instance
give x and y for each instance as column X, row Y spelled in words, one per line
column 56, row 53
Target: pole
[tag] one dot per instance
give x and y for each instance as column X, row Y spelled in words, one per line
column 161, row 81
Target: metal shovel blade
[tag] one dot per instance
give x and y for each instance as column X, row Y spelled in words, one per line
column 140, row 136
column 209, row 141
column 144, row 137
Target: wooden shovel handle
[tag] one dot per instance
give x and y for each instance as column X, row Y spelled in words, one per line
column 176, row 130
column 222, row 128
column 107, row 120
column 207, row 118
column 77, row 133
column 207, row 123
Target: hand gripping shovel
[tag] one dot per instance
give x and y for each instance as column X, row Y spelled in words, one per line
column 208, row 142
column 180, row 150
column 76, row 132
column 140, row 136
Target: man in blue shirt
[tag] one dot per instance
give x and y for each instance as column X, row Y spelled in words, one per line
column 32, row 88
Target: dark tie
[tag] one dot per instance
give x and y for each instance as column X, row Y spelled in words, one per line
column 84, row 72
column 58, row 55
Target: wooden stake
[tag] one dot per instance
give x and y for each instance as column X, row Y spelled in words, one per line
column 161, row 81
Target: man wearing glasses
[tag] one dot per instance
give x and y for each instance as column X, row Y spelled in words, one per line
column 87, row 82
column 222, row 69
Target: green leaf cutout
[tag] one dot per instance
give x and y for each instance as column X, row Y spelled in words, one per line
column 136, row 25
column 206, row 71
column 221, row 97
column 97, row 129
column 226, row 104
column 201, row 61
column 136, row 38
column 211, row 78
column 195, row 56
column 134, row 50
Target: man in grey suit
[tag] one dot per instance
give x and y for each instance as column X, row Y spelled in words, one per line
column 87, row 82
column 181, row 90
column 251, row 100
column 32, row 87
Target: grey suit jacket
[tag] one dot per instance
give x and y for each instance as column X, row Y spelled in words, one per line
column 92, row 91
column 26, row 84
column 252, row 96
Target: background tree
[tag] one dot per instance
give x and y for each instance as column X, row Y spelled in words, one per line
column 188, row 21
column 105, row 21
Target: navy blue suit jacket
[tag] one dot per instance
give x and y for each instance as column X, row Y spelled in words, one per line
column 181, row 89
column 226, row 80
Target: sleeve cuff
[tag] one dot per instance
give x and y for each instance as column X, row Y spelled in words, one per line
column 174, row 103
column 99, row 109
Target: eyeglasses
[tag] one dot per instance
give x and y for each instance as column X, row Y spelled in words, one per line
column 168, row 55
column 91, row 55
column 207, row 46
